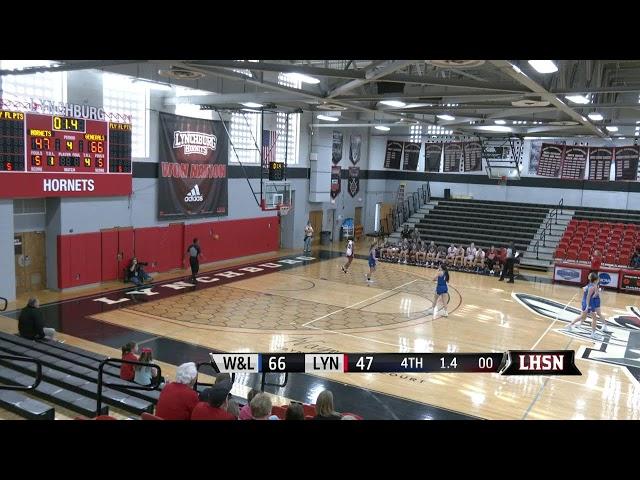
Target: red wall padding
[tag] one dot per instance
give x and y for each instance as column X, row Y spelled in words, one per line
column 88, row 257
column 109, row 255
column 79, row 259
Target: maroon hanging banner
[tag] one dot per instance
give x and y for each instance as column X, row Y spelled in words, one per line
column 354, row 181
column 472, row 156
column 393, row 154
column 574, row 162
column 336, row 173
column 192, row 179
column 550, row 160
column 432, row 156
column 626, row 159
column 600, row 159
column 452, row 156
column 411, row 156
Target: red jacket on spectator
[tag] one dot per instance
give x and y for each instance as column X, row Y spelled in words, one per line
column 596, row 261
column 204, row 411
column 176, row 402
column 126, row 370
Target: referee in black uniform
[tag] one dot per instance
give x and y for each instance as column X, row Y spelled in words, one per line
column 194, row 252
column 507, row 270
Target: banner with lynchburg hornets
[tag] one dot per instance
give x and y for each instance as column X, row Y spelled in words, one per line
column 194, row 154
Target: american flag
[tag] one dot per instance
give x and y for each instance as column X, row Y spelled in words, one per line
column 269, row 138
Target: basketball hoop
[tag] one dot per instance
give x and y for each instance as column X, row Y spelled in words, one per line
column 284, row 209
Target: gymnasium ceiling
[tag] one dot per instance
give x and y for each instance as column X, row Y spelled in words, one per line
column 477, row 93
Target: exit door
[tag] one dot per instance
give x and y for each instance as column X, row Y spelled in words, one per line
column 30, row 261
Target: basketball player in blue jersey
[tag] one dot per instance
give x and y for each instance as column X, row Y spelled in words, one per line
column 372, row 262
column 590, row 303
column 441, row 290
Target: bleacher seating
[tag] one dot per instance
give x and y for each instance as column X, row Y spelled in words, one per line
column 615, row 241
column 484, row 223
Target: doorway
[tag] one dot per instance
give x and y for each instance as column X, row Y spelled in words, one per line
column 315, row 218
column 30, row 261
column 357, row 217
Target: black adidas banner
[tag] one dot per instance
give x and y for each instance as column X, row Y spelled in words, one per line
column 192, row 180
column 354, row 181
column 336, row 180
column 336, row 147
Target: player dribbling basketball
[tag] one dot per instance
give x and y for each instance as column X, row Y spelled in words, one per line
column 349, row 254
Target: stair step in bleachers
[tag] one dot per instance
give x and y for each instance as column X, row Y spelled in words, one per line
column 77, row 383
column 53, row 393
column 57, row 356
column 25, row 407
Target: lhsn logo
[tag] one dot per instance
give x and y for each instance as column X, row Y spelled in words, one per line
column 605, row 278
column 194, row 195
column 567, row 274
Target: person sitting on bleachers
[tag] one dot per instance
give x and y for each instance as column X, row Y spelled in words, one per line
column 470, row 256
column 441, row 254
column 479, row 260
column 431, row 253
column 178, row 399
column 261, row 408
column 31, row 323
column 421, row 255
column 415, row 235
column 216, row 404
column 451, row 254
column 127, row 370
column 635, row 259
column 324, row 407
column 413, row 252
column 144, row 375
column 404, row 252
column 294, row 412
column 492, row 259
column 458, row 260
column 406, row 233
column 245, row 412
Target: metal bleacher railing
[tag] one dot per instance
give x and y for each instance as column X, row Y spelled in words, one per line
column 552, row 219
column 37, row 380
column 402, row 212
column 155, row 382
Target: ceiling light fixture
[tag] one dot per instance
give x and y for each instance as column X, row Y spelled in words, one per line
column 612, row 129
column 393, row 103
column 252, row 105
column 495, row 128
column 445, row 116
column 327, row 118
column 595, row 116
column 543, row 66
column 582, row 100
column 499, row 122
column 382, row 127
column 302, row 77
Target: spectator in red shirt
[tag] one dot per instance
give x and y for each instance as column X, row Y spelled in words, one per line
column 596, row 261
column 178, row 398
column 129, row 351
column 245, row 412
column 215, row 408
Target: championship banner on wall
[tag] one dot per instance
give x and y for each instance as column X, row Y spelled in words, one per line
column 411, row 156
column 550, row 160
column 432, row 156
column 452, row 155
column 336, row 173
column 472, row 156
column 354, row 181
column 574, row 162
column 600, row 159
column 626, row 161
column 355, row 146
column 336, row 147
column 393, row 154
column 193, row 168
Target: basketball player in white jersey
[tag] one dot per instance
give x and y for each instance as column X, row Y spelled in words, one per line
column 349, row 253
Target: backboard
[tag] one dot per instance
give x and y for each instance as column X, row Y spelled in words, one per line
column 275, row 195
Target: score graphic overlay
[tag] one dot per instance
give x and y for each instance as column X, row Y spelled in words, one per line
column 513, row 362
column 52, row 155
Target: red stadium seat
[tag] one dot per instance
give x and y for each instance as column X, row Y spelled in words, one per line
column 624, row 260
column 610, row 259
column 559, row 253
column 584, row 256
column 572, row 254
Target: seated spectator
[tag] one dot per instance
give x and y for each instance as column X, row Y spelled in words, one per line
column 470, row 256
column 324, row 407
column 459, row 257
column 406, row 233
column 136, row 273
column 245, row 412
column 431, row 253
column 294, row 412
column 178, row 399
column 404, row 251
column 421, row 254
column 415, row 236
column 216, row 406
column 31, row 323
column 451, row 254
column 144, row 375
column 261, row 408
column 491, row 259
column 441, row 254
column 127, row 370
column 479, row 261
column 233, row 408
column 635, row 259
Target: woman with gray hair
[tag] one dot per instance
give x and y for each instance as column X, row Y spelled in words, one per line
column 31, row 323
column 178, row 398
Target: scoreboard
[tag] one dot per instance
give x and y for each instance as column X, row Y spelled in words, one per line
column 513, row 362
column 52, row 155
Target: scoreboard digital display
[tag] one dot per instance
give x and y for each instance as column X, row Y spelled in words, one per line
column 276, row 171
column 63, row 155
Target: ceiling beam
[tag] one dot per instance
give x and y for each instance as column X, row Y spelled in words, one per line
column 624, row 89
column 508, row 69
column 372, row 73
column 85, row 65
column 279, row 67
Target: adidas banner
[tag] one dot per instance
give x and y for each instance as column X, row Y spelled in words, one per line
column 193, row 168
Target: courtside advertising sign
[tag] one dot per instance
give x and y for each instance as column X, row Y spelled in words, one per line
column 567, row 274
column 193, row 168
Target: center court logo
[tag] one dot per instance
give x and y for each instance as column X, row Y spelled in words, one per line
column 194, row 195
column 567, row 274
